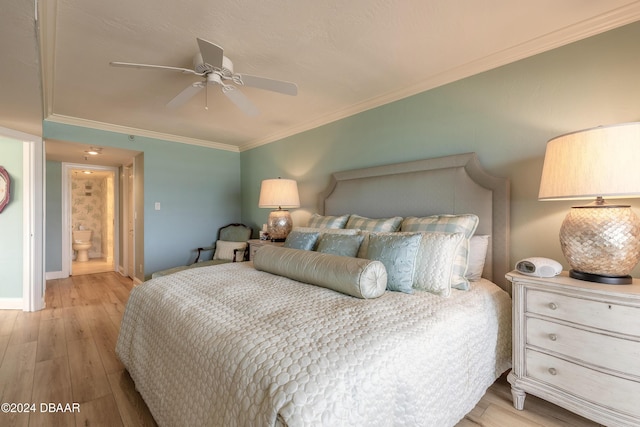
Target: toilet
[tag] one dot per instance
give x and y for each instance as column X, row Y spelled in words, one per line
column 81, row 244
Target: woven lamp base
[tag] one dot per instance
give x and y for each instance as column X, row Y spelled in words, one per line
column 601, row 243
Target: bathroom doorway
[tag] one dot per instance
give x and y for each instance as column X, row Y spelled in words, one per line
column 90, row 213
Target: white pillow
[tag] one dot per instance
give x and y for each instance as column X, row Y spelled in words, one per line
column 477, row 254
column 436, row 262
column 224, row 250
column 464, row 223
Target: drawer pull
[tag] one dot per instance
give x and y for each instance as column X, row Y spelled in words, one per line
column 553, row 305
column 553, row 337
column 553, row 371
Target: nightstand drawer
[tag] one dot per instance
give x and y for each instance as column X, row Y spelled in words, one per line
column 597, row 314
column 595, row 348
column 594, row 386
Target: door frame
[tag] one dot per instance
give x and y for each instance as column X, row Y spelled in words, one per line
column 128, row 204
column 67, row 227
column 33, row 273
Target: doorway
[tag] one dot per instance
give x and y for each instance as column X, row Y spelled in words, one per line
column 90, row 218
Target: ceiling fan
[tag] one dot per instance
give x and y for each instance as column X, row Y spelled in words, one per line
column 216, row 69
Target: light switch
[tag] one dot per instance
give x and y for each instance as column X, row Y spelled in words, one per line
column 157, row 206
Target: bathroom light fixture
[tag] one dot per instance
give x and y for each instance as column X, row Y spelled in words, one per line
column 600, row 241
column 279, row 193
column 87, row 172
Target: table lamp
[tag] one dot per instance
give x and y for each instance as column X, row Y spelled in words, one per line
column 279, row 193
column 600, row 241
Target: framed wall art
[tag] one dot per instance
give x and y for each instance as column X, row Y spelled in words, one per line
column 5, row 187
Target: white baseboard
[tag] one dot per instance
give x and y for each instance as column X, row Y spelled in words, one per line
column 11, row 304
column 50, row 275
column 137, row 281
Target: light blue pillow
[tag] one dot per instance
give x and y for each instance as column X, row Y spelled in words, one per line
column 340, row 244
column 301, row 240
column 398, row 253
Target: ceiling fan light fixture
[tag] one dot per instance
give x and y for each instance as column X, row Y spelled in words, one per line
column 215, row 67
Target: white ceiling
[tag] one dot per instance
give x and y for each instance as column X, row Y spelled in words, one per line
column 346, row 57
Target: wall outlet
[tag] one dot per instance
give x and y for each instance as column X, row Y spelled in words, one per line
column 157, row 206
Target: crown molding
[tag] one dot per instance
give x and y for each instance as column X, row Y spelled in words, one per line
column 18, row 135
column 582, row 30
column 75, row 121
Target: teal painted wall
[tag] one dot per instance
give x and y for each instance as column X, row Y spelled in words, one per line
column 198, row 189
column 53, row 191
column 11, row 240
column 506, row 115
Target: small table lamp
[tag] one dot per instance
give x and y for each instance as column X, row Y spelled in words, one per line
column 279, row 193
column 600, row 241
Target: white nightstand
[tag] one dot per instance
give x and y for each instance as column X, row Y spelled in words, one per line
column 577, row 344
column 255, row 244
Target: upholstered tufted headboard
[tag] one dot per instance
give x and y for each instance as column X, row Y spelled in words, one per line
column 446, row 185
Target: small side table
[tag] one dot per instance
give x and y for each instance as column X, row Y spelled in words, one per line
column 577, row 344
column 255, row 244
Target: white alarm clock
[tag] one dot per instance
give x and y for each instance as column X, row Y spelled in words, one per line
column 539, row 267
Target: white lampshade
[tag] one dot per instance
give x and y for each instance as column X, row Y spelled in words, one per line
column 603, row 161
column 279, row 193
column 600, row 241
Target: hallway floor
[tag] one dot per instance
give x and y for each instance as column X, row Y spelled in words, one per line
column 94, row 265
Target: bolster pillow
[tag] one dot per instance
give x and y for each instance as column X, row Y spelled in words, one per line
column 357, row 277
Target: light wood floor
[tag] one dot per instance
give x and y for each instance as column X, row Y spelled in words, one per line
column 65, row 354
column 94, row 265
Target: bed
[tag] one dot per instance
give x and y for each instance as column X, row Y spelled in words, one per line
column 232, row 345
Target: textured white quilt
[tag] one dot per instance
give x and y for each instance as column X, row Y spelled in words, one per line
column 232, row 346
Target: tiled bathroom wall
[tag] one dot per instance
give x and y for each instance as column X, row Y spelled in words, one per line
column 89, row 210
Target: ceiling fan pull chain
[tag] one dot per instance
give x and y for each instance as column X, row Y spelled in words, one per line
column 206, row 96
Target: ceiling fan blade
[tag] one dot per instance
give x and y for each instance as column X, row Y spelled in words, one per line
column 241, row 101
column 211, row 53
column 185, row 95
column 153, row 67
column 279, row 86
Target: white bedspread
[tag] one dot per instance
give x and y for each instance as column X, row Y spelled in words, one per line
column 231, row 346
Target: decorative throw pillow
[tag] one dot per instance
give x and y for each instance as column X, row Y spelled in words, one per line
column 435, row 261
column 397, row 251
column 300, row 240
column 477, row 255
column 364, row 246
column 465, row 223
column 320, row 221
column 224, row 250
column 323, row 231
column 360, row 278
column 371, row 224
column 339, row 244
